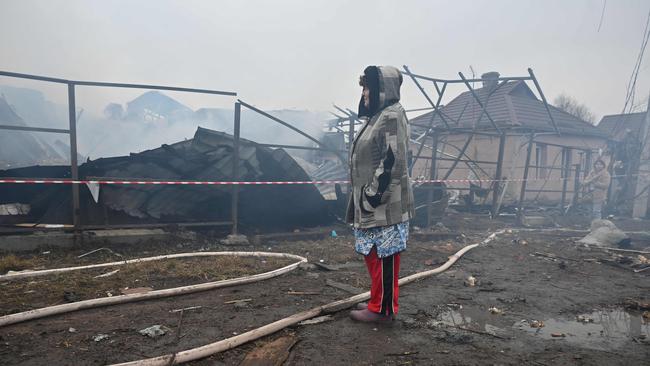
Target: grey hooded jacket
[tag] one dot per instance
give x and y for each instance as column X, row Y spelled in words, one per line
column 381, row 190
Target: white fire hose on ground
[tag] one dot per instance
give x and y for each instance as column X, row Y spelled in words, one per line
column 228, row 343
column 121, row 299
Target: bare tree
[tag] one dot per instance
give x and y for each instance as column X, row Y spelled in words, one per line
column 570, row 105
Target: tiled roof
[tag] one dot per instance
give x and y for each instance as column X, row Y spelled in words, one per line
column 615, row 125
column 511, row 105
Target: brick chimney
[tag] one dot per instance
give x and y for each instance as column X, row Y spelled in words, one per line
column 490, row 80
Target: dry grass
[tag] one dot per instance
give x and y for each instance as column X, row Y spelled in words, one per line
column 12, row 263
column 36, row 292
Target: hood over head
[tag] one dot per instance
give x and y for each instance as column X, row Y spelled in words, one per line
column 384, row 83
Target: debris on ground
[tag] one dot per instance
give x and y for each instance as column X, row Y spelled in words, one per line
column 604, row 233
column 584, row 319
column 154, row 331
column 70, row 296
column 72, row 330
column 274, row 353
column 234, row 239
column 317, row 320
column 637, row 305
column 471, row 281
column 107, row 274
column 301, row 293
column 99, row 250
column 186, row 309
column 558, row 335
column 495, row 310
column 536, row 324
column 243, row 303
column 100, row 337
column 446, row 248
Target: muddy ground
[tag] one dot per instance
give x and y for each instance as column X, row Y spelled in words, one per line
column 528, row 276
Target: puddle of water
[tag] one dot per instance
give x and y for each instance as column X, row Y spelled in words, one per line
column 475, row 318
column 609, row 329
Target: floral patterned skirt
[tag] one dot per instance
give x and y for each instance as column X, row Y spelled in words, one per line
column 388, row 239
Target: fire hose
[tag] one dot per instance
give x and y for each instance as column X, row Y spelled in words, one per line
column 228, row 343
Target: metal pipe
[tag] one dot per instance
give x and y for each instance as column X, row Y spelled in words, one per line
column 276, row 119
column 301, row 147
column 576, row 187
column 566, row 168
column 432, row 176
column 462, row 152
column 34, row 129
column 498, row 176
column 522, row 193
column 440, row 93
column 456, row 81
column 235, row 170
column 74, row 168
column 113, row 85
column 541, row 94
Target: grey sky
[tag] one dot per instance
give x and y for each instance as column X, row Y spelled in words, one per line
column 308, row 54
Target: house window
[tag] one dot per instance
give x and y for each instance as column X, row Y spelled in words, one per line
column 541, row 152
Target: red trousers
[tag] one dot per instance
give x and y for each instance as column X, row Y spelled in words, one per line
column 384, row 289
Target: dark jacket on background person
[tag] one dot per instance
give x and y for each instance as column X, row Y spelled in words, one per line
column 381, row 189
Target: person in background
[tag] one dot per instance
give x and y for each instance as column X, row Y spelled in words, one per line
column 381, row 202
column 598, row 183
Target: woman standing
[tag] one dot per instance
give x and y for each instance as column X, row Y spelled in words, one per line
column 598, row 181
column 381, row 201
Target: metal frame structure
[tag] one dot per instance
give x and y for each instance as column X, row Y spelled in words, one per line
column 434, row 132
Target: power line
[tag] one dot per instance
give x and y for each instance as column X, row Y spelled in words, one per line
column 602, row 15
column 631, row 86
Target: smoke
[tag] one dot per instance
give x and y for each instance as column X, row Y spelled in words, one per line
column 154, row 119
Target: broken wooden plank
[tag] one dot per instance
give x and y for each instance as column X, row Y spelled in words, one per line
column 186, row 309
column 299, row 293
column 238, row 301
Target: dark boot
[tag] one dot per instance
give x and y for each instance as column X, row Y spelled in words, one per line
column 368, row 316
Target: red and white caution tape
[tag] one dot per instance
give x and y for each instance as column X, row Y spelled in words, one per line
column 228, row 183
column 210, row 183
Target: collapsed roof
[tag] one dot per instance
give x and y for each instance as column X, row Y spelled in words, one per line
column 206, row 157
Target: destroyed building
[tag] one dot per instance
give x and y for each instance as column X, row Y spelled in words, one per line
column 206, row 157
column 517, row 112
